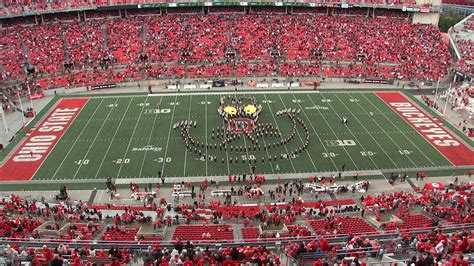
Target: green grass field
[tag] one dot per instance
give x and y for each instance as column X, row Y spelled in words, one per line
column 126, row 137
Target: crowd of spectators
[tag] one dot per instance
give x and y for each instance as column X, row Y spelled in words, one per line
column 75, row 220
column 14, row 7
column 220, row 45
column 454, row 204
column 461, row 33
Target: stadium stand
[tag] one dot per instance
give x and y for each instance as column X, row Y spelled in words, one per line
column 461, row 34
column 336, row 234
column 222, row 46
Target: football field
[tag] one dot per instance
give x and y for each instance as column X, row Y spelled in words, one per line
column 132, row 137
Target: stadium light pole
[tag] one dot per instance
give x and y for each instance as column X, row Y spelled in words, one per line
column 4, row 119
column 436, row 92
column 21, row 107
column 447, row 99
column 31, row 100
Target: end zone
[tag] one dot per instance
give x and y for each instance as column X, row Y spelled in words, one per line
column 448, row 145
column 27, row 159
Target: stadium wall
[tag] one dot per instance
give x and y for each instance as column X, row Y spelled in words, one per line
column 426, row 18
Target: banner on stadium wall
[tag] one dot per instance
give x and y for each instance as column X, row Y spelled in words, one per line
column 36, row 96
column 376, row 81
column 218, row 83
column 172, row 86
column 294, row 4
column 434, row 185
column 189, row 86
column 410, row 9
column 104, row 86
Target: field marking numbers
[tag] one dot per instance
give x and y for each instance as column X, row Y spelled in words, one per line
column 316, row 133
column 122, row 161
column 363, row 126
column 133, row 134
column 163, row 159
column 169, row 133
column 93, row 141
column 369, row 154
column 340, row 118
column 281, row 138
column 299, row 135
column 75, row 141
column 389, row 136
column 334, row 133
column 80, row 162
column 148, row 143
column 409, row 139
column 113, row 138
column 330, row 155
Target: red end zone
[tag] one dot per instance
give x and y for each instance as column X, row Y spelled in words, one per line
column 26, row 160
column 453, row 149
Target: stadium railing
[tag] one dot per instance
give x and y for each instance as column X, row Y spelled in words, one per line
column 332, row 239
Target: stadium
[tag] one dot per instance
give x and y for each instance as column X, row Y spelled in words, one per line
column 310, row 132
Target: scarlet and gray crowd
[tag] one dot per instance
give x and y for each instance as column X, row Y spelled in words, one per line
column 462, row 35
column 20, row 219
column 75, row 53
column 12, row 7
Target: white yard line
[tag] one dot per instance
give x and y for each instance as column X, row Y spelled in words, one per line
column 333, row 132
column 247, row 152
column 268, row 154
column 133, row 134
column 414, row 145
column 93, row 141
column 205, row 125
column 302, row 141
column 113, row 138
column 75, row 141
column 319, row 137
column 389, row 136
column 281, row 138
column 186, row 150
column 355, row 138
column 226, row 152
column 358, row 121
column 168, row 139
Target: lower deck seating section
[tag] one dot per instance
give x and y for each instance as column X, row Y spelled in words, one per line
column 46, row 47
column 220, row 45
column 462, row 33
column 85, row 43
column 18, row 228
column 204, row 232
column 120, row 233
column 335, row 235
column 416, row 221
column 341, row 225
column 238, row 211
column 124, row 50
column 12, row 56
column 82, row 231
column 250, row 233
